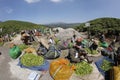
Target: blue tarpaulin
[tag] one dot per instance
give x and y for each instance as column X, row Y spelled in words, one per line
column 43, row 67
column 99, row 62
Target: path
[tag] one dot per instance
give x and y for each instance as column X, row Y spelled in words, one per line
column 5, row 73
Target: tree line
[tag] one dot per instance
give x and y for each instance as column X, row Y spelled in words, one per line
column 16, row 26
column 109, row 26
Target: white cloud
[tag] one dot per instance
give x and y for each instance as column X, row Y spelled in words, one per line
column 9, row 10
column 56, row 1
column 32, row 1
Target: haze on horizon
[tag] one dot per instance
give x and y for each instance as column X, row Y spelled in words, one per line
column 52, row 11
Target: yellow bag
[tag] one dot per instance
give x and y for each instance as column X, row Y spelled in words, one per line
column 116, row 73
column 61, row 69
column 30, row 50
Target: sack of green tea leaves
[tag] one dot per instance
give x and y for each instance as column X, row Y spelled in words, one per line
column 33, row 62
column 14, row 52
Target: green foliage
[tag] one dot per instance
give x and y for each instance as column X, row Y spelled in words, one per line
column 93, row 52
column 106, row 65
column 16, row 26
column 101, row 25
column 83, row 68
column 29, row 59
column 23, row 46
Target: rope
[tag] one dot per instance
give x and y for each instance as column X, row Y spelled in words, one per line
column 57, row 71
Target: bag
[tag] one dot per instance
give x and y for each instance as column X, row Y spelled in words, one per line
column 116, row 73
column 104, row 44
column 61, row 69
column 52, row 53
column 84, row 43
column 14, row 52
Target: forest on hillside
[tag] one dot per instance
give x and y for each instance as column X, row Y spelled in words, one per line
column 102, row 25
column 106, row 25
column 16, row 26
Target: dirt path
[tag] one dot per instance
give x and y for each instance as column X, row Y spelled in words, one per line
column 5, row 73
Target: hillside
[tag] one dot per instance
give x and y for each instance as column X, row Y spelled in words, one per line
column 101, row 25
column 16, row 26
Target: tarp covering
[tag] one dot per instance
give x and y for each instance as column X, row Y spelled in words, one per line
column 99, row 62
column 43, row 67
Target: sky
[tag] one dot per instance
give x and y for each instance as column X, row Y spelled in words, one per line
column 52, row 11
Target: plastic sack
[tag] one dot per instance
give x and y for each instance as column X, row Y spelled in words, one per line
column 61, row 69
column 84, row 42
column 14, row 52
column 52, row 53
column 116, row 73
column 104, row 44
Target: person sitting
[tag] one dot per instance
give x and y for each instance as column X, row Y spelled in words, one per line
column 51, row 41
column 118, row 50
column 94, row 45
column 102, row 37
column 117, row 59
column 77, row 56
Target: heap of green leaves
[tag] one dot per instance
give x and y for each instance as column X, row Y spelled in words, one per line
column 106, row 65
column 29, row 59
column 91, row 51
column 23, row 46
column 83, row 68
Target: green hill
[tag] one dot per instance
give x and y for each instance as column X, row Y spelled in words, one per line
column 16, row 26
column 101, row 25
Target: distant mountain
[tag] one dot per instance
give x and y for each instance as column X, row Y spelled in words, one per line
column 63, row 25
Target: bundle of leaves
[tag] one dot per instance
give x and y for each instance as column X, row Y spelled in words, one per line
column 106, row 65
column 29, row 59
column 23, row 46
column 91, row 51
column 83, row 68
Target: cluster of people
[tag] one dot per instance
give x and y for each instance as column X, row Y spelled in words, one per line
column 7, row 37
column 77, row 53
column 75, row 45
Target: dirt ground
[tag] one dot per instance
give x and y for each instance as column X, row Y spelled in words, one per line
column 9, row 70
column 5, row 73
